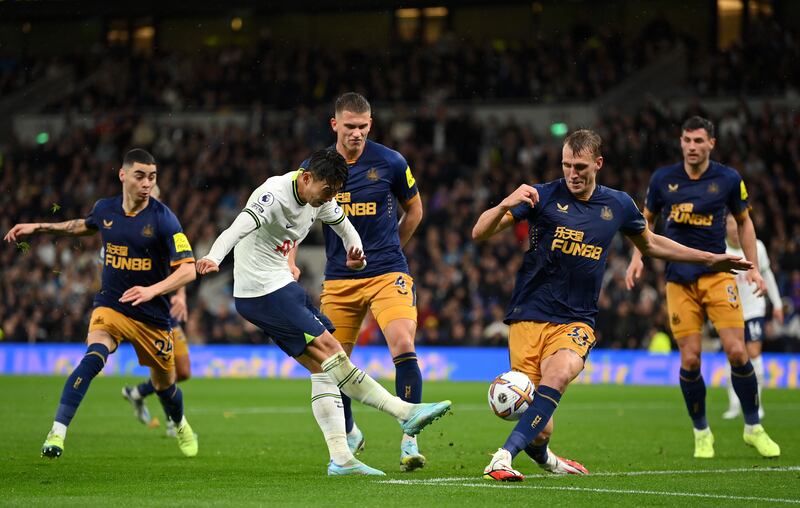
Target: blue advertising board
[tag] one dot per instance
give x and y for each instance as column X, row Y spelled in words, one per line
column 437, row 363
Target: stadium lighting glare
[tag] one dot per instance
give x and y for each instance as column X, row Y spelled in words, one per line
column 408, row 13
column 559, row 129
column 42, row 138
column 236, row 24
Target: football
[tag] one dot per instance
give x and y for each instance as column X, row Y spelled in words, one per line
column 510, row 394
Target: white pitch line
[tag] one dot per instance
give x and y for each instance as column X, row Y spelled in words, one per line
column 785, row 469
column 632, row 492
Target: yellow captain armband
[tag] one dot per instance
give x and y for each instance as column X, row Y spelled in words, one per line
column 743, row 190
column 409, row 177
column 181, row 242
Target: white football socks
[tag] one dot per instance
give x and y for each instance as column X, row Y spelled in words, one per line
column 356, row 384
column 326, row 404
column 733, row 399
column 59, row 429
column 758, row 366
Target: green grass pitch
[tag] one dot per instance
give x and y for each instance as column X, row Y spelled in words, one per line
column 259, row 446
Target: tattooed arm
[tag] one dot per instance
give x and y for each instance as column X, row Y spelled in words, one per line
column 75, row 227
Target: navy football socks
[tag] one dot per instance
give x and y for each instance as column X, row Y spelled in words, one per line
column 538, row 452
column 146, row 388
column 694, row 394
column 172, row 400
column 745, row 384
column 78, row 382
column 408, row 378
column 534, row 419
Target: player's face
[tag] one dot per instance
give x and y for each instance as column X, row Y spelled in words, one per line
column 580, row 171
column 696, row 146
column 317, row 192
column 139, row 180
column 351, row 129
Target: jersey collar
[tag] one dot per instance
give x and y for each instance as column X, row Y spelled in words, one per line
column 294, row 188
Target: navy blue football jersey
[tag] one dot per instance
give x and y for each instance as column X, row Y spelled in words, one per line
column 562, row 271
column 693, row 211
column 138, row 250
column 378, row 182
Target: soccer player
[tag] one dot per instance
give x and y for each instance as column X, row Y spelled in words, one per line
column 278, row 215
column 142, row 241
column 571, row 223
column 379, row 184
column 754, row 308
column 179, row 313
column 693, row 197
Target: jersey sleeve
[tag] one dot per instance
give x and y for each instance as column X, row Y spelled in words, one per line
column 654, row 202
column 91, row 219
column 763, row 258
column 331, row 213
column 633, row 222
column 404, row 186
column 737, row 198
column 263, row 206
column 524, row 211
column 180, row 251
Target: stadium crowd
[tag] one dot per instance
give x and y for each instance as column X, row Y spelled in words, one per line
column 462, row 166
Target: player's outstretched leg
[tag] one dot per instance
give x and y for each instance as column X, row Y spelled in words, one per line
column 359, row 386
column 71, row 396
column 326, row 404
column 172, row 400
column 135, row 395
column 552, row 463
column 408, row 386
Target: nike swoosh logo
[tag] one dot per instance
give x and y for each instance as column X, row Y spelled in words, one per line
column 289, row 226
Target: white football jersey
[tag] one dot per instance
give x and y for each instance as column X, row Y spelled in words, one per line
column 283, row 220
column 754, row 306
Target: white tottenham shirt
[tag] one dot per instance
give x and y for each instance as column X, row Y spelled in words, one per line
column 756, row 306
column 274, row 221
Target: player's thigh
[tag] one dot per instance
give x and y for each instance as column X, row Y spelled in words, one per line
column 183, row 369
column 525, row 344
column 101, row 337
column 732, row 340
column 393, row 301
column 287, row 316
column 153, row 345
column 720, row 298
column 686, row 316
column 561, row 367
column 343, row 303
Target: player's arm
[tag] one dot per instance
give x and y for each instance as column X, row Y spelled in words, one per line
column 498, row 218
column 244, row 224
column 292, row 259
column 636, row 266
column 74, row 227
column 661, row 247
column 747, row 237
column 179, row 277
column 356, row 260
column 411, row 218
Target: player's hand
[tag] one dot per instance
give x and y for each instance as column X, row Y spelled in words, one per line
column 295, row 272
column 205, row 266
column 137, row 295
column 20, row 230
column 633, row 273
column 178, row 308
column 524, row 194
column 356, row 260
column 777, row 314
column 754, row 277
column 729, row 263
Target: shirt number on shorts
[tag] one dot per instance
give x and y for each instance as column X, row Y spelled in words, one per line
column 401, row 285
column 164, row 348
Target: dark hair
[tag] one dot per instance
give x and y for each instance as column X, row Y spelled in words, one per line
column 698, row 122
column 138, row 155
column 353, row 102
column 328, row 166
column 583, row 141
